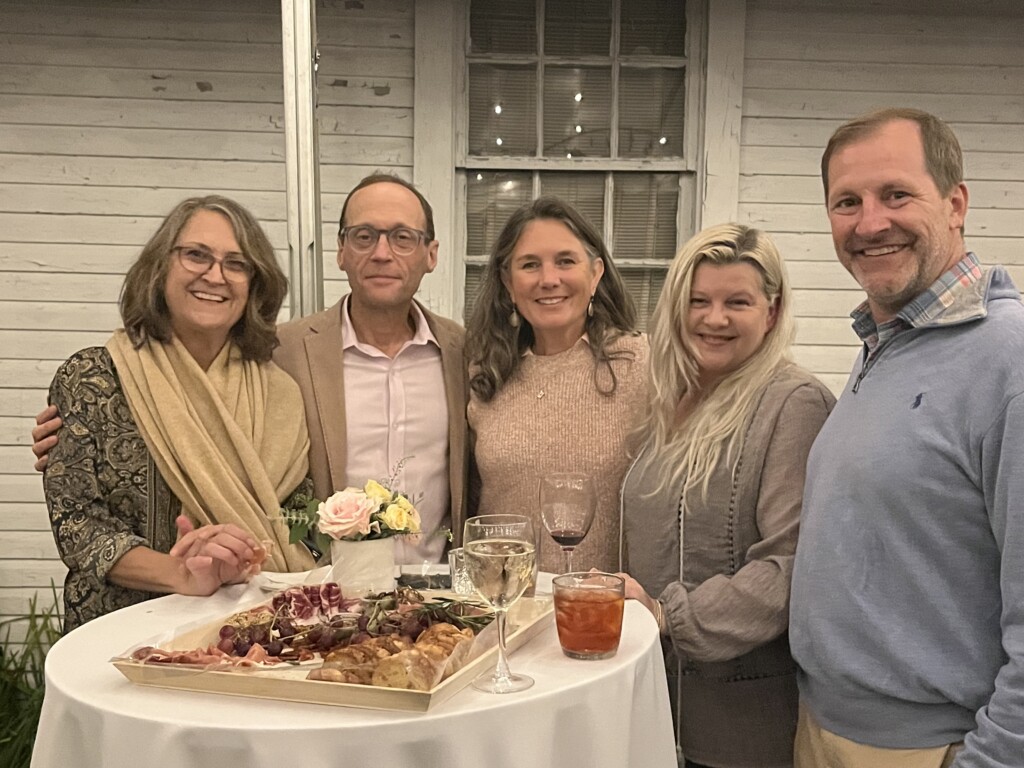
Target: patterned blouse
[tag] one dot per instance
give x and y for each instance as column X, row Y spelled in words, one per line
column 104, row 492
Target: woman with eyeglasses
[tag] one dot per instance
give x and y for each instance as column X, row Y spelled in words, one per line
column 557, row 373
column 182, row 441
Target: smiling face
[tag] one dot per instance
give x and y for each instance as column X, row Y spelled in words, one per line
column 728, row 318
column 550, row 279
column 379, row 279
column 204, row 307
column 892, row 228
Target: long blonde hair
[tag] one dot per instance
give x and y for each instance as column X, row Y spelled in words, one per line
column 716, row 424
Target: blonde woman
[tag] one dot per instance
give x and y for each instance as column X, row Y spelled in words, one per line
column 711, row 506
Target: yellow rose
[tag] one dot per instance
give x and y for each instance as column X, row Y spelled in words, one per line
column 414, row 515
column 377, row 492
column 396, row 518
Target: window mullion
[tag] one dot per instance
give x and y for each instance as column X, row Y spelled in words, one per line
column 609, row 207
column 539, row 151
column 613, row 128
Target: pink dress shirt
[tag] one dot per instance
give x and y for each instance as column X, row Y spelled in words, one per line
column 395, row 410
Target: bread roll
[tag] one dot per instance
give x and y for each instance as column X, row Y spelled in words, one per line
column 409, row 670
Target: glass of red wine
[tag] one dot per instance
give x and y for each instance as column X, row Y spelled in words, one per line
column 567, row 501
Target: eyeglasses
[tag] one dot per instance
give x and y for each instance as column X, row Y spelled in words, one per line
column 199, row 261
column 364, row 238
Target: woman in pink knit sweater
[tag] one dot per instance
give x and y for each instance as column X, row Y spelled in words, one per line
column 557, row 373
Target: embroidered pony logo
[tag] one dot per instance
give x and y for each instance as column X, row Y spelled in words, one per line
column 917, row 400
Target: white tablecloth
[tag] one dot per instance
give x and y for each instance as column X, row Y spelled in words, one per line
column 587, row 714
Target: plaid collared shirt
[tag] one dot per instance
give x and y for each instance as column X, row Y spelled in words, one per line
column 921, row 311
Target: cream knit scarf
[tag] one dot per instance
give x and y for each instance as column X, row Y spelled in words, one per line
column 230, row 442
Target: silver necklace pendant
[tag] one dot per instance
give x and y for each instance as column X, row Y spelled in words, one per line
column 540, row 394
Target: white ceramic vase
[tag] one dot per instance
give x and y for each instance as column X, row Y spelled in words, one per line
column 363, row 566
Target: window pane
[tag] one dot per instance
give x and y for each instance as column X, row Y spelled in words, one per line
column 502, row 110
column 490, row 199
column 653, row 27
column 577, row 106
column 577, row 28
column 644, row 215
column 503, row 26
column 474, row 281
column 584, row 191
column 644, row 285
column 651, row 112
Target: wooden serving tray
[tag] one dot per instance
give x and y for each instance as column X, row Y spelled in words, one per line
column 288, row 682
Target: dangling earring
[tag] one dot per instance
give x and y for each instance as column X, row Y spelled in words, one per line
column 590, row 307
column 513, row 319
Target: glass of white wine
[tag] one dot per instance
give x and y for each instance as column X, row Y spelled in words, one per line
column 567, row 502
column 500, row 554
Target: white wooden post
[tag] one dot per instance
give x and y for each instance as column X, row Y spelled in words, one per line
column 302, row 156
column 434, row 145
column 723, row 111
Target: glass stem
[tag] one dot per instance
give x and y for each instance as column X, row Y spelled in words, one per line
column 568, row 559
column 502, row 673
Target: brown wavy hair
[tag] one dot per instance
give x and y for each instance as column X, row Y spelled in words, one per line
column 942, row 154
column 494, row 348
column 389, row 178
column 143, row 304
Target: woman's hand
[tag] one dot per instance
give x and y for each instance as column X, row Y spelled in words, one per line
column 224, row 552
column 635, row 592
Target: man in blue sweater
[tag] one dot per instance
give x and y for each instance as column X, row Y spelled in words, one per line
column 907, row 616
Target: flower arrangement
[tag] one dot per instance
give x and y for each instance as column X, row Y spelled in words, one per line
column 355, row 514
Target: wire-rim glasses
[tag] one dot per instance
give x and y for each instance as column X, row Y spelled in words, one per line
column 199, row 261
column 362, row 238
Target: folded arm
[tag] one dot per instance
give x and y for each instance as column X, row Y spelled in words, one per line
column 727, row 616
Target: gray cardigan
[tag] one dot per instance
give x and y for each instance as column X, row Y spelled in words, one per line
column 723, row 579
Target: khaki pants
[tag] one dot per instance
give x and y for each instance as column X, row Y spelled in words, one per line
column 817, row 748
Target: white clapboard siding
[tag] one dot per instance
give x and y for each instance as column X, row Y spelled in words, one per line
column 797, row 217
column 227, row 116
column 15, row 459
column 808, row 190
column 111, row 112
column 39, row 574
column 806, row 161
column 810, row 66
column 24, row 517
column 789, row 131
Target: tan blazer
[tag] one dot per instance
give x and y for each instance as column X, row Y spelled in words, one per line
column 311, row 353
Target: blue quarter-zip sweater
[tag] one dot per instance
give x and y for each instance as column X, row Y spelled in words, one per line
column 907, row 614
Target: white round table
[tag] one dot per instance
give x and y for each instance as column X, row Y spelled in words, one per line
column 612, row 713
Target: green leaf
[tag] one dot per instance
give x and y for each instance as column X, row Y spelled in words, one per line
column 297, row 532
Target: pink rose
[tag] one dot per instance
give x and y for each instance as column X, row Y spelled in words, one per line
column 346, row 513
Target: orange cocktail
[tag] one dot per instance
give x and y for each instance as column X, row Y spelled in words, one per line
column 588, row 614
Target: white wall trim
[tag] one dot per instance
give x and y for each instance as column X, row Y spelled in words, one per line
column 723, row 110
column 434, row 111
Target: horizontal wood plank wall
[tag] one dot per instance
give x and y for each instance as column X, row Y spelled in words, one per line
column 112, row 111
column 810, row 66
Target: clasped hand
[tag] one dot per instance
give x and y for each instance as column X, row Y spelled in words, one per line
column 214, row 555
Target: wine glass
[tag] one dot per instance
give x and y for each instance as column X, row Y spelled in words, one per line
column 567, row 509
column 500, row 553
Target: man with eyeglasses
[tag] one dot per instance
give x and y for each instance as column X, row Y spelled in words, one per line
column 383, row 378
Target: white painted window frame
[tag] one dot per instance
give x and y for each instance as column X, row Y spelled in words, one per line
column 438, row 106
